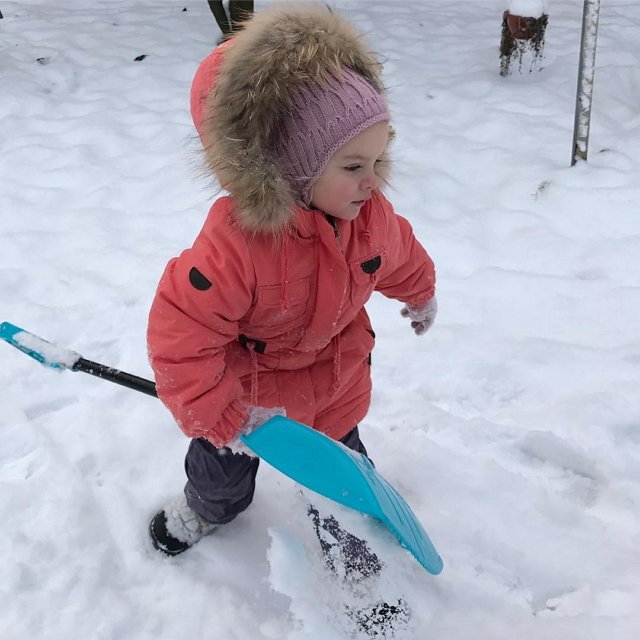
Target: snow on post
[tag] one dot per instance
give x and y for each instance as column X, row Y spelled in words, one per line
column 586, row 71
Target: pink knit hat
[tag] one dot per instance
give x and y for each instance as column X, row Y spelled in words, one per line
column 320, row 120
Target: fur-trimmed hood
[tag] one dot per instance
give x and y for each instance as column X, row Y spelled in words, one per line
column 251, row 83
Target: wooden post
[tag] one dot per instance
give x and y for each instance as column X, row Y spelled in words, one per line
column 586, row 69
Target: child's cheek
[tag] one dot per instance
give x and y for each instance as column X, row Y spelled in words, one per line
column 345, row 190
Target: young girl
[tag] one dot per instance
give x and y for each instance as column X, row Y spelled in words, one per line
column 264, row 314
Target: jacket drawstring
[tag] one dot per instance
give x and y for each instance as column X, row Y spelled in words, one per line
column 337, row 365
column 284, row 303
column 284, row 267
column 251, row 345
column 337, row 354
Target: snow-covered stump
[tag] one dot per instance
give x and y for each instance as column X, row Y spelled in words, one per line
column 586, row 69
column 524, row 25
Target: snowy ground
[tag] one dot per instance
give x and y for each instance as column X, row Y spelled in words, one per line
column 513, row 427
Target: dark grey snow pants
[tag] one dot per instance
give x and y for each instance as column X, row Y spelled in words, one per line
column 221, row 484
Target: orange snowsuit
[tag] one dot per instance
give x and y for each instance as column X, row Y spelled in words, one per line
column 242, row 319
column 248, row 316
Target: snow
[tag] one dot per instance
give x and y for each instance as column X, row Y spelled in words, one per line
column 527, row 8
column 52, row 355
column 511, row 428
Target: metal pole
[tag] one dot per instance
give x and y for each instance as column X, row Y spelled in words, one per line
column 586, row 69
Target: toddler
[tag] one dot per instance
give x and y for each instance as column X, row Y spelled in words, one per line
column 265, row 314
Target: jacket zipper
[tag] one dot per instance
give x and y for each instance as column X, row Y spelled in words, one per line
column 336, row 229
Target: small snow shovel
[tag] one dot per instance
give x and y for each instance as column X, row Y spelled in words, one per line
column 294, row 449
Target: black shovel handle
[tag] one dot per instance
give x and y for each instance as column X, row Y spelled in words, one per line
column 115, row 375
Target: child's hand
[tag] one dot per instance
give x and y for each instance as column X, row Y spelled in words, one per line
column 256, row 416
column 421, row 317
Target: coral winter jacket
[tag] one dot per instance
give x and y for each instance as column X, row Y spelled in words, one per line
column 279, row 321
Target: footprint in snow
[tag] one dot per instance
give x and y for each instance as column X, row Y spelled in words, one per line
column 22, row 455
column 47, row 407
column 587, row 599
column 572, row 471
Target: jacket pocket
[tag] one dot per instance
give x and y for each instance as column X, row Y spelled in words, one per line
column 281, row 307
column 365, row 274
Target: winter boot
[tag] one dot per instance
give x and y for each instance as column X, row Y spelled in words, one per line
column 178, row 527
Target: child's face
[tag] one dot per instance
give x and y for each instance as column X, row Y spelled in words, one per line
column 349, row 177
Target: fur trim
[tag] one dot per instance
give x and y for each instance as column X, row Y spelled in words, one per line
column 276, row 52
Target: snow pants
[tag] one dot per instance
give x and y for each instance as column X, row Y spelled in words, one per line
column 220, row 484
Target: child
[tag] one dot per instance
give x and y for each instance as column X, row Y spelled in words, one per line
column 265, row 313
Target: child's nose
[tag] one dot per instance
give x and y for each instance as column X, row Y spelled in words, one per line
column 370, row 181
